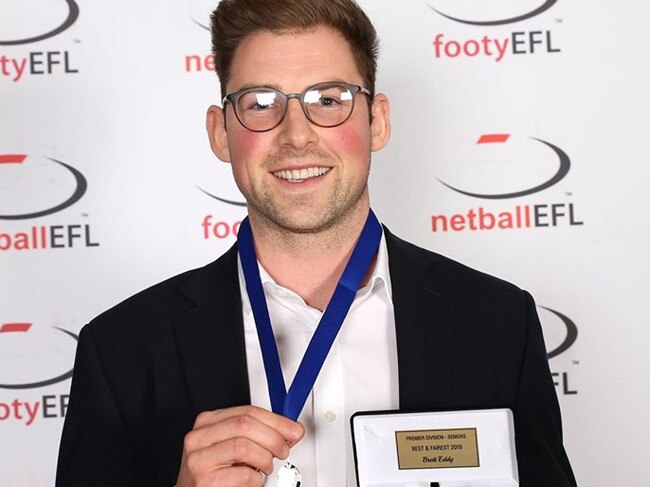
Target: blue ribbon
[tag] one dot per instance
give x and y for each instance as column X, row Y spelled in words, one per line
column 290, row 403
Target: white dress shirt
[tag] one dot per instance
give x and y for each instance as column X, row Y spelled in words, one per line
column 359, row 374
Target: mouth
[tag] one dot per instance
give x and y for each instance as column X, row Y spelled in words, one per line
column 300, row 175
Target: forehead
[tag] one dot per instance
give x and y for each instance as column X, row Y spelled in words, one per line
column 292, row 61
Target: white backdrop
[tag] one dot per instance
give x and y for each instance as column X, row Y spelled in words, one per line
column 119, row 96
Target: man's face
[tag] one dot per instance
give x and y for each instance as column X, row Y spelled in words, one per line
column 291, row 63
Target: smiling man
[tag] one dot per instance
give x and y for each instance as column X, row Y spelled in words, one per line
column 246, row 372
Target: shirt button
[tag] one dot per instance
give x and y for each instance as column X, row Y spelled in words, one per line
column 330, row 416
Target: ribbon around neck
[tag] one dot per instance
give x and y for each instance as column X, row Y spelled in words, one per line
column 290, row 403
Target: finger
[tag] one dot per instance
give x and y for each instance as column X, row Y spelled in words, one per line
column 229, row 453
column 238, row 427
column 237, row 476
column 292, row 431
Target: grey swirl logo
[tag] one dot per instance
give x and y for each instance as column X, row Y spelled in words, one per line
column 200, row 24
column 81, row 185
column 571, row 333
column 222, row 200
column 73, row 15
column 23, row 328
column 562, row 171
column 511, row 20
column 200, row 11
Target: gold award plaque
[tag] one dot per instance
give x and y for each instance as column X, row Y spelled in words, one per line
column 426, row 449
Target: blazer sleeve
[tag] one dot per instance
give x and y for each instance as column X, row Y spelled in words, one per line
column 541, row 456
column 95, row 447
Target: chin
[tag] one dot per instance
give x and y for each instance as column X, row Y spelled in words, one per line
column 304, row 221
column 302, row 226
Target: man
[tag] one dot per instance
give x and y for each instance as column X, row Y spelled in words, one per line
column 163, row 382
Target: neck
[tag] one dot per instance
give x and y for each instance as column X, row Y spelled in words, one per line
column 310, row 264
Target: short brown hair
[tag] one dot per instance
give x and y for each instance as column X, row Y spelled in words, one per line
column 233, row 20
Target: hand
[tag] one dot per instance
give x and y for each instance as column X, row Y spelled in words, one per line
column 232, row 447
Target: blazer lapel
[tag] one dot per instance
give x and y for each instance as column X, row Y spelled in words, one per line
column 210, row 337
column 424, row 323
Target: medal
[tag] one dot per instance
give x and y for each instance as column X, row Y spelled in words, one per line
column 290, row 403
column 289, row 475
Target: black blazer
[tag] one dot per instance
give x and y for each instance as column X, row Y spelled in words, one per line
column 146, row 368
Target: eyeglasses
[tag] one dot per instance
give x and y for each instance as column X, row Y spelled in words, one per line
column 325, row 104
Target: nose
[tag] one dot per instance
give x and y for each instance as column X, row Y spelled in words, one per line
column 296, row 130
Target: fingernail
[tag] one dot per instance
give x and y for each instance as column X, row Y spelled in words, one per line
column 296, row 430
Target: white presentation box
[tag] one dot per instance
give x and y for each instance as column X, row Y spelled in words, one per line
column 435, row 449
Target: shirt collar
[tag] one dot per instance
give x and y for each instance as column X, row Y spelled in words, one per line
column 380, row 275
column 381, row 272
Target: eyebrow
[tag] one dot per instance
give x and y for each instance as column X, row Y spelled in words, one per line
column 248, row 86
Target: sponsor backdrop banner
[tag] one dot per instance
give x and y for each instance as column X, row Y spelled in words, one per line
column 519, row 136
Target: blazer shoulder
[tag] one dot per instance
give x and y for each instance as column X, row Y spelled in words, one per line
column 409, row 260
column 169, row 298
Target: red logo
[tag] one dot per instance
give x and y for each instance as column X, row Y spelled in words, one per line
column 495, row 148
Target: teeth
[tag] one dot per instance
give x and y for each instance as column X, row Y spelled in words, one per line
column 297, row 175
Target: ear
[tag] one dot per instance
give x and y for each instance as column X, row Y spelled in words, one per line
column 380, row 125
column 215, row 123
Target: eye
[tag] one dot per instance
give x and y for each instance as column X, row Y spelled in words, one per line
column 329, row 101
column 258, row 106
column 256, row 101
column 326, row 98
